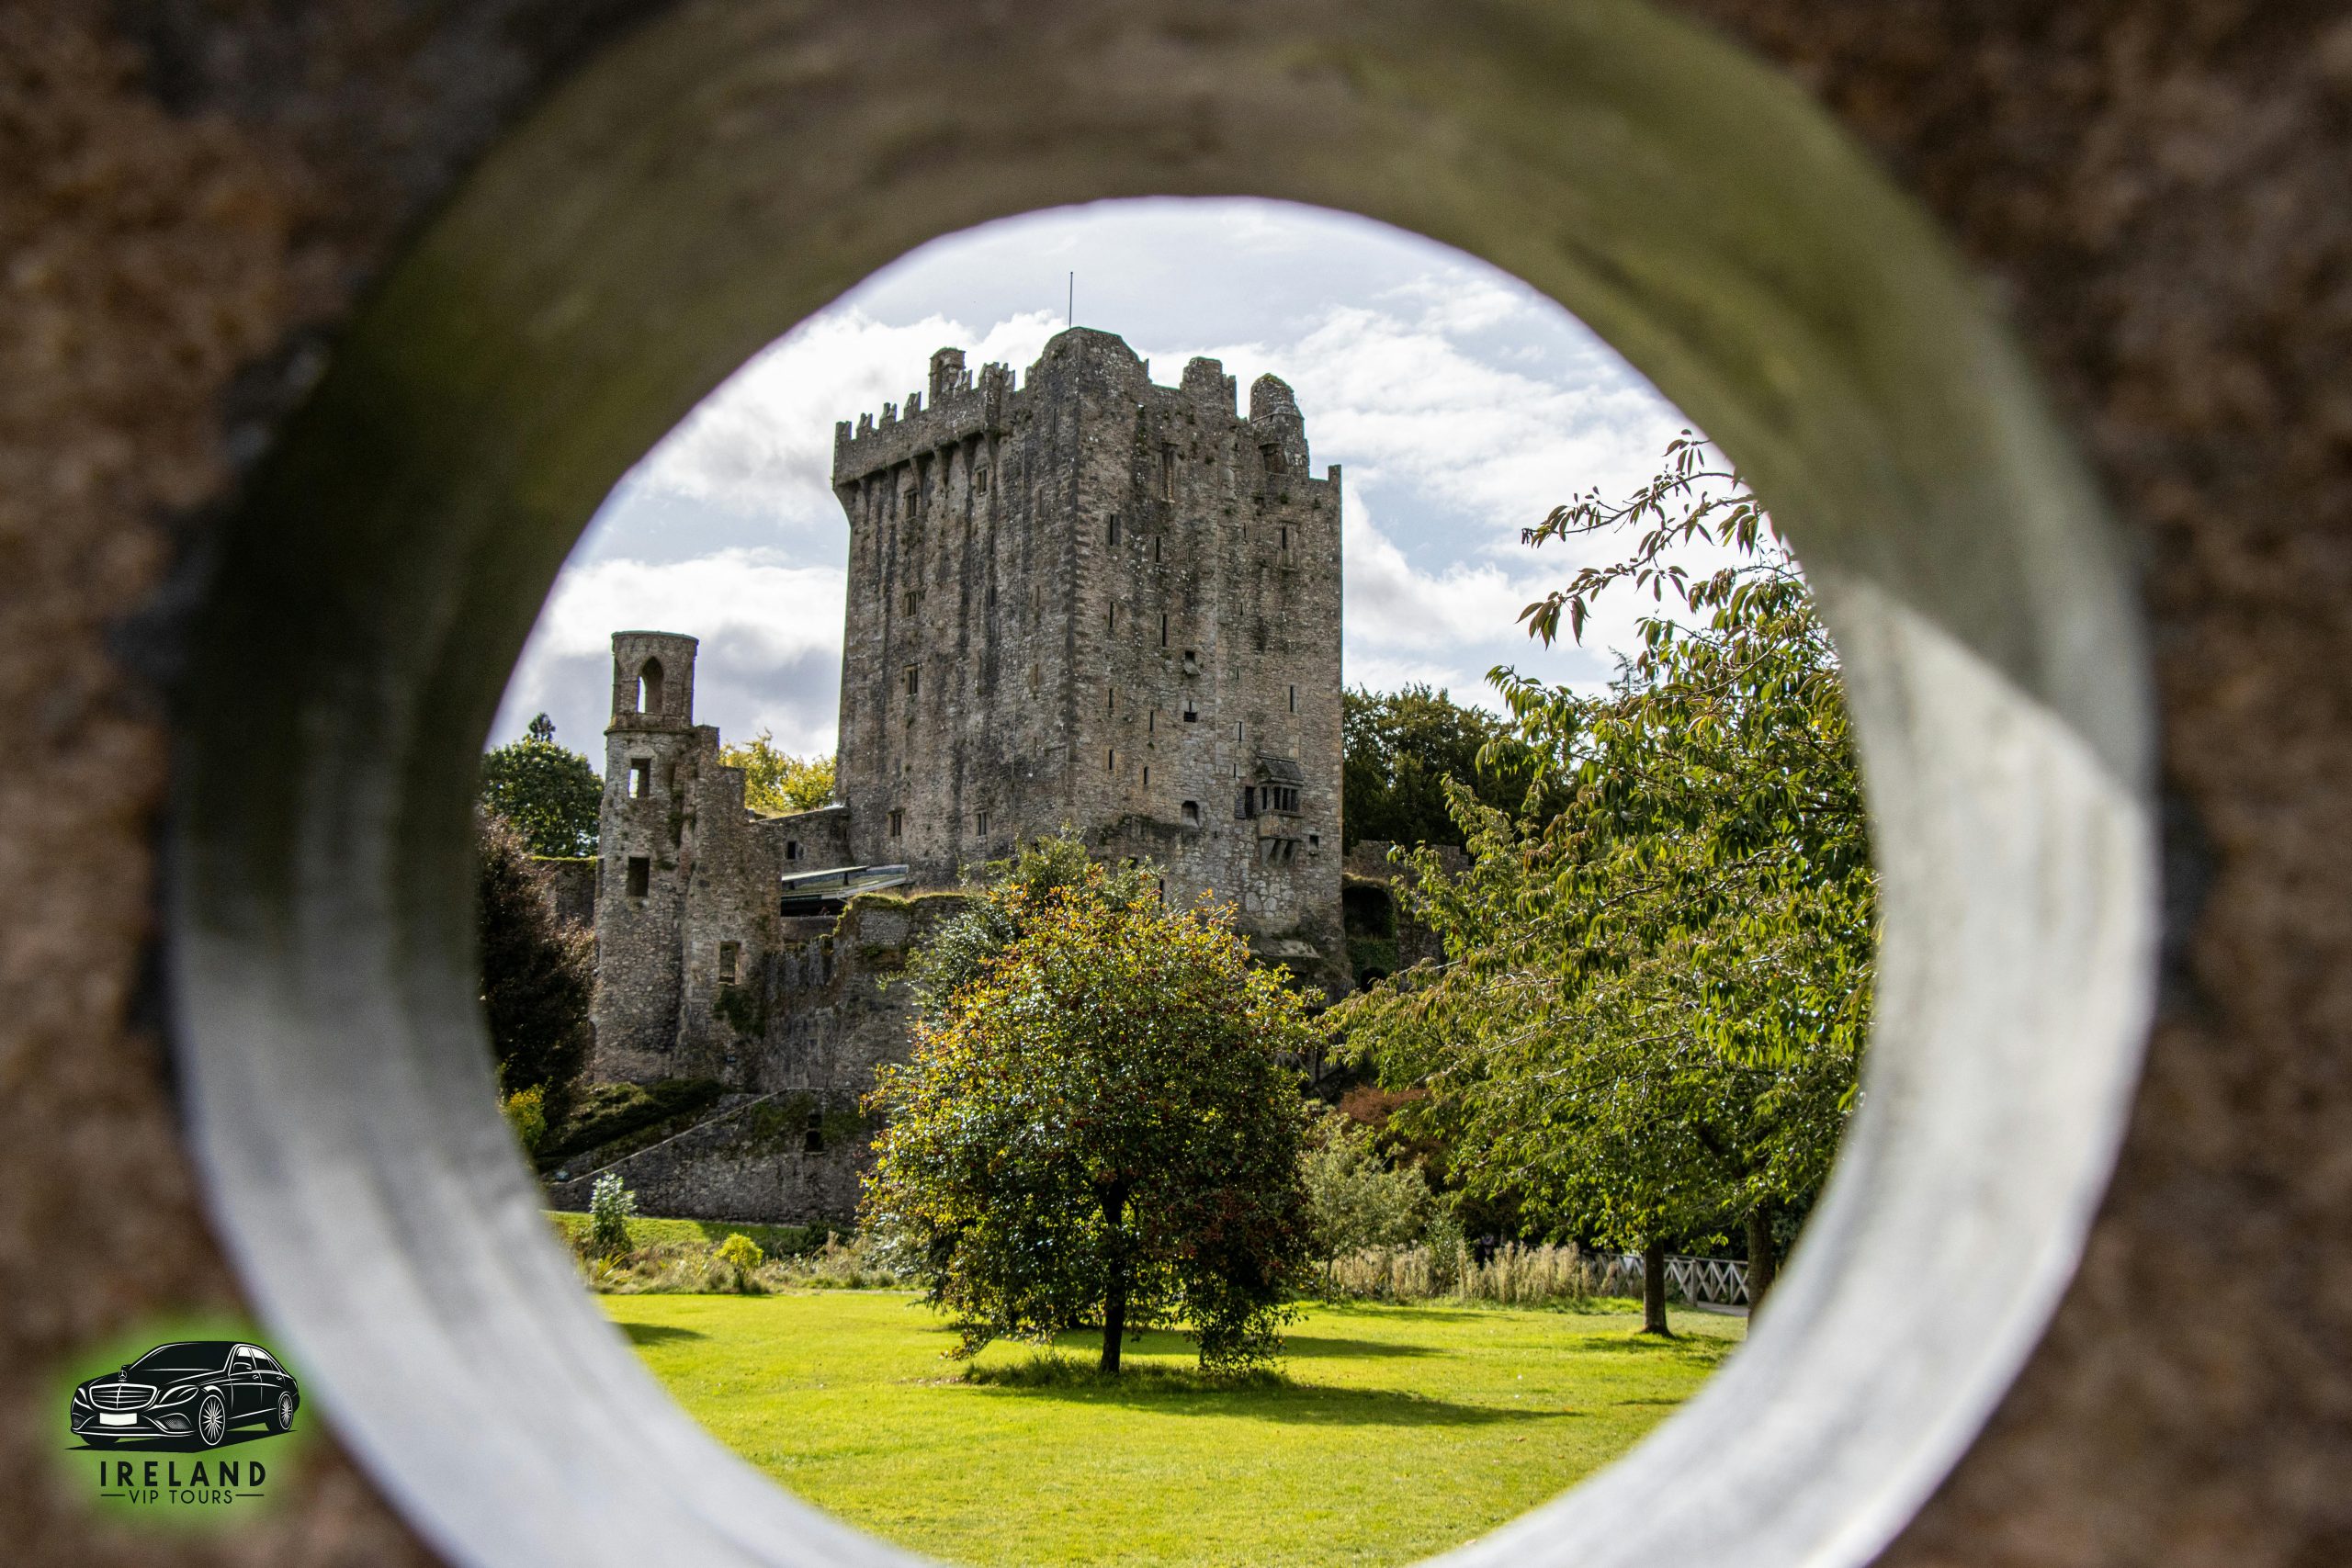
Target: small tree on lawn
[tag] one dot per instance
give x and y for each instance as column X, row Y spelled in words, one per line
column 1099, row 1126
column 1355, row 1199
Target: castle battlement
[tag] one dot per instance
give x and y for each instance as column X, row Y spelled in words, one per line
column 953, row 408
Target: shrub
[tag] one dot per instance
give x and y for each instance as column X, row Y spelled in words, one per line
column 740, row 1253
column 610, row 1207
column 1354, row 1200
column 525, row 1111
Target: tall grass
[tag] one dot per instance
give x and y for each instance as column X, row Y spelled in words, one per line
column 1513, row 1276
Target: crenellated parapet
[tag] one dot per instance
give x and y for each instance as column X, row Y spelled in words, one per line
column 955, row 406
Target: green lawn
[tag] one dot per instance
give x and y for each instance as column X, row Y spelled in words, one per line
column 1398, row 1431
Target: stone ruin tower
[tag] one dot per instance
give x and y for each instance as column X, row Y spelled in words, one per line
column 1095, row 601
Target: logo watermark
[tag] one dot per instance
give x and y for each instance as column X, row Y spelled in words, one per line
column 190, row 1423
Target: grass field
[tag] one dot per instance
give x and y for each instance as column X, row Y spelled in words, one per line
column 1394, row 1431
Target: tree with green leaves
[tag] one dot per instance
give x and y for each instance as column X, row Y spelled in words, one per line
column 1098, row 1125
column 1007, row 897
column 1355, row 1198
column 777, row 782
column 1657, row 983
column 1399, row 749
column 538, row 972
column 550, row 793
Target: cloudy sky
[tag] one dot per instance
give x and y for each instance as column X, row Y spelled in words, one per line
column 1461, row 404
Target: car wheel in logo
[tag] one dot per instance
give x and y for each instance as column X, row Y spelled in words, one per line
column 284, row 1421
column 213, row 1421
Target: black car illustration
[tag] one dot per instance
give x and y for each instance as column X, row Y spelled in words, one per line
column 193, row 1390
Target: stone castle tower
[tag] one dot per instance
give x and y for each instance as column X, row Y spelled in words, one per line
column 1098, row 601
column 1082, row 600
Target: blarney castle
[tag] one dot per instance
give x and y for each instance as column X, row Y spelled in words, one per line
column 1082, row 600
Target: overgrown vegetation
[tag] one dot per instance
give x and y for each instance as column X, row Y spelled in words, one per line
column 1650, row 1019
column 609, row 1121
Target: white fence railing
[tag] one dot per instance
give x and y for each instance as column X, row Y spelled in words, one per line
column 1709, row 1281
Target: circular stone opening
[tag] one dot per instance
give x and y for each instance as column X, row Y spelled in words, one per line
column 698, row 189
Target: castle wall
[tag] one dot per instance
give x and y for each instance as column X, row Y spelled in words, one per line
column 833, row 1011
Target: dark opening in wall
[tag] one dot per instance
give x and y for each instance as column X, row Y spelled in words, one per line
column 1286, row 532
column 1192, row 814
column 1293, row 699
column 1367, row 909
column 649, row 687
column 813, row 1140
column 1114, row 529
column 1146, row 775
column 898, row 823
column 980, row 824
column 641, row 876
column 792, row 849
column 1163, row 631
column 1110, row 760
column 1192, row 714
column 1168, row 473
column 1155, row 556
column 728, row 954
column 641, row 777
column 914, row 680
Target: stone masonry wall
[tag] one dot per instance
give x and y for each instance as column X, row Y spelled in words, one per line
column 830, row 1014
column 1087, row 599
column 790, row 1158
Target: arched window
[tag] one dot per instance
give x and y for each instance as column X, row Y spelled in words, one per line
column 649, row 687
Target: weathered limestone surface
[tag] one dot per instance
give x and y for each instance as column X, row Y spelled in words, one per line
column 1091, row 599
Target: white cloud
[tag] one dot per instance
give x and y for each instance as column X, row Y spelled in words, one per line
column 763, row 442
column 770, row 655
